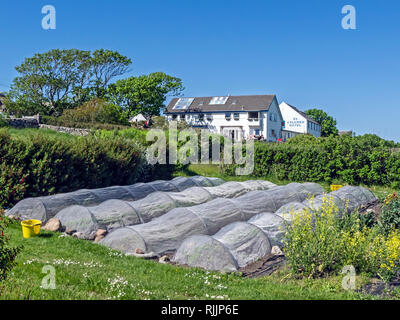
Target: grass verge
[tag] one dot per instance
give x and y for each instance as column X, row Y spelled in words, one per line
column 85, row 270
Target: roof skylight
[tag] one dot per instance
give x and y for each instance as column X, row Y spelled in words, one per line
column 183, row 103
column 219, row 100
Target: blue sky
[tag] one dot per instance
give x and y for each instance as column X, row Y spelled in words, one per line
column 294, row 49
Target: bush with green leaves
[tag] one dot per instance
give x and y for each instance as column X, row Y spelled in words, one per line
column 3, row 122
column 389, row 219
column 62, row 122
column 357, row 160
column 39, row 163
column 7, row 253
column 98, row 111
column 322, row 242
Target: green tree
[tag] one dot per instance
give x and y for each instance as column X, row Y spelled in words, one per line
column 56, row 80
column 145, row 94
column 106, row 65
column 328, row 123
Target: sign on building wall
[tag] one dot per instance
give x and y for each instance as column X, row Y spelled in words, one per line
column 295, row 123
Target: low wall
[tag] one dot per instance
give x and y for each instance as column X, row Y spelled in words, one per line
column 20, row 123
column 73, row 131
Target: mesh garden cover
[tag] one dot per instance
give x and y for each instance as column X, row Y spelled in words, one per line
column 347, row 198
column 114, row 214
column 234, row 246
column 166, row 233
column 239, row 244
column 44, row 208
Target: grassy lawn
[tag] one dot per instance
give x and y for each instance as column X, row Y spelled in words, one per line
column 85, row 270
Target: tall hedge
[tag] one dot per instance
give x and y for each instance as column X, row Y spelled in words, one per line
column 355, row 160
column 38, row 163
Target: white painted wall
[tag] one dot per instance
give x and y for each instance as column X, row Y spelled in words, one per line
column 295, row 122
column 241, row 124
column 274, row 122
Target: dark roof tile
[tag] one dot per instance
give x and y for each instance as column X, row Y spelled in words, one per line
column 234, row 103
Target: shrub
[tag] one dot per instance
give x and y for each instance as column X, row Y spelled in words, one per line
column 7, row 253
column 96, row 110
column 312, row 244
column 365, row 160
column 3, row 122
column 62, row 122
column 324, row 241
column 389, row 218
column 386, row 255
column 38, row 164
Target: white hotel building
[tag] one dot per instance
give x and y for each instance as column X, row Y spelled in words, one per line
column 297, row 122
column 240, row 117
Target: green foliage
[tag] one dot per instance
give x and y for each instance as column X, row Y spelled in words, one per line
column 328, row 124
column 357, row 160
column 389, row 218
column 322, row 242
column 129, row 134
column 145, row 94
column 62, row 122
column 98, row 111
column 88, row 271
column 51, row 82
column 3, row 122
column 7, row 253
column 38, row 164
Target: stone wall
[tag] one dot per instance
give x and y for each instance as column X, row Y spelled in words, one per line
column 73, row 131
column 21, row 123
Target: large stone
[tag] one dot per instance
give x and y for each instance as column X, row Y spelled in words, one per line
column 276, row 251
column 83, row 236
column 52, row 225
column 100, row 234
column 164, row 259
column 138, row 251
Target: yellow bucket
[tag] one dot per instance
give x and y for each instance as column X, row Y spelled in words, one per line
column 335, row 187
column 30, row 228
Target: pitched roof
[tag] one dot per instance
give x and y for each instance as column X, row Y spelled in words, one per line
column 302, row 113
column 233, row 103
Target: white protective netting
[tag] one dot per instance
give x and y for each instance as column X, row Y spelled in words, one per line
column 44, row 208
column 166, row 233
column 234, row 246
column 239, row 244
column 114, row 214
column 347, row 198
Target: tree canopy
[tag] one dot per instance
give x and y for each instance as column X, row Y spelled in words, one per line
column 62, row 79
column 328, row 123
column 145, row 94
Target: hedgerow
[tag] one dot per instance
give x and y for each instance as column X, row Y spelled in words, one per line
column 365, row 160
column 39, row 164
